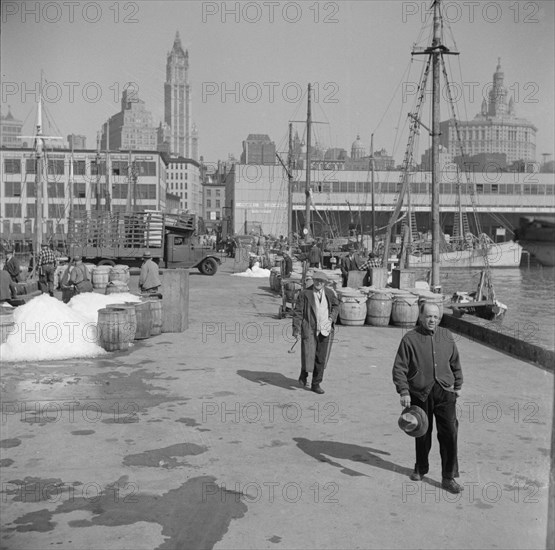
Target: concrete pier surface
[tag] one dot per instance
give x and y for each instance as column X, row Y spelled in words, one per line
column 204, row 439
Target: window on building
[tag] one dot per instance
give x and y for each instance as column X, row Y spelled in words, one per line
column 12, row 166
column 56, row 167
column 31, row 166
column 208, row 203
column 78, row 167
column 12, row 188
column 218, row 192
column 13, row 210
column 119, row 191
column 31, row 210
column 79, row 190
column 56, row 211
column 218, row 204
column 55, row 189
column 98, row 170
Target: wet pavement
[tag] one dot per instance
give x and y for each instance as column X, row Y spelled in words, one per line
column 204, row 439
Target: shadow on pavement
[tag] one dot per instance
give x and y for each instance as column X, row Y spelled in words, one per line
column 323, row 450
column 272, row 378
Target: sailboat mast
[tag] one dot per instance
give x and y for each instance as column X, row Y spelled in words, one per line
column 289, row 184
column 307, row 185
column 435, row 52
column 373, row 204
column 38, row 178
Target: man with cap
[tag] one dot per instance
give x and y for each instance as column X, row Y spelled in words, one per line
column 351, row 262
column 149, row 279
column 314, row 317
column 79, row 277
column 46, row 266
column 427, row 374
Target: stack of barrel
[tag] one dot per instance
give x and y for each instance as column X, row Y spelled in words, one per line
column 384, row 306
column 118, row 280
column 120, row 324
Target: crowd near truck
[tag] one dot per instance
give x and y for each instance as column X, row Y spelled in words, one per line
column 123, row 238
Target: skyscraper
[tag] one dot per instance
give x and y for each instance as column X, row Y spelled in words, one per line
column 177, row 100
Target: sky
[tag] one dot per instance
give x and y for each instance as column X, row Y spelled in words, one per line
column 251, row 63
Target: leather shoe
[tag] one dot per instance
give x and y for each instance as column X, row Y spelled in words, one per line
column 415, row 476
column 317, row 389
column 451, row 486
column 303, row 379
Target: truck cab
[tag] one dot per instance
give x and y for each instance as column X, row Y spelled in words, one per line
column 183, row 249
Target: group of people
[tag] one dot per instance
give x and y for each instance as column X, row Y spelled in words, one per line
column 426, row 372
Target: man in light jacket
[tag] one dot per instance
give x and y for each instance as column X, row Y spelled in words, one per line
column 149, row 279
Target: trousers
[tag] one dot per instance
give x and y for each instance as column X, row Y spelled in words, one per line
column 441, row 405
column 322, row 345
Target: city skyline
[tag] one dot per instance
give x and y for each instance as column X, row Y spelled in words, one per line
column 250, row 66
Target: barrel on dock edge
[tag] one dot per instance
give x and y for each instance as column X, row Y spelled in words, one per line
column 112, row 329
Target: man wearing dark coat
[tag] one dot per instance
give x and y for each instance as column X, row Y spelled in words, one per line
column 351, row 262
column 314, row 318
column 427, row 373
column 12, row 266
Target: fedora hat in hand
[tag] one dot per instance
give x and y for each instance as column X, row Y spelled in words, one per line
column 413, row 421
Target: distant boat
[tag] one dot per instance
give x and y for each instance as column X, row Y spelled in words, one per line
column 506, row 254
column 537, row 236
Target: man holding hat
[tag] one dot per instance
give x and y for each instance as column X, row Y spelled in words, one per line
column 149, row 279
column 428, row 376
column 314, row 318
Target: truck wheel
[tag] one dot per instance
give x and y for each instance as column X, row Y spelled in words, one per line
column 208, row 266
column 111, row 263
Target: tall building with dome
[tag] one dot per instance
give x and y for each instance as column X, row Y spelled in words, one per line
column 177, row 101
column 358, row 149
column 496, row 129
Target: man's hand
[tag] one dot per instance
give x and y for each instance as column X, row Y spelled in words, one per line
column 458, row 393
column 405, row 401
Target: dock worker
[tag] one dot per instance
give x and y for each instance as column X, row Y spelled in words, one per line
column 80, row 278
column 427, row 373
column 46, row 266
column 351, row 262
column 12, row 266
column 372, row 261
column 315, row 256
column 149, row 279
column 314, row 318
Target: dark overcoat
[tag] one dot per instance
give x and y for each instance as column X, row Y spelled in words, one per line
column 304, row 322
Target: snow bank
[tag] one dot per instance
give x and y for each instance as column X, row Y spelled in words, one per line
column 256, row 271
column 46, row 329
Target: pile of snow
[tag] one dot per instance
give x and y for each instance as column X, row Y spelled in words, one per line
column 256, row 271
column 88, row 303
column 46, row 329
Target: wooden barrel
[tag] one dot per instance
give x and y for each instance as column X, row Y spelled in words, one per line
column 131, row 327
column 404, row 311
column 352, row 308
column 120, row 273
column 6, row 323
column 116, row 287
column 378, row 309
column 112, row 329
column 101, row 276
column 155, row 313
column 292, row 289
column 144, row 319
column 426, row 297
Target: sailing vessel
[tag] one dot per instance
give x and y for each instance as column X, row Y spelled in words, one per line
column 484, row 255
column 537, row 236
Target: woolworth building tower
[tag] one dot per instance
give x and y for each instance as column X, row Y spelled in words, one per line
column 177, row 100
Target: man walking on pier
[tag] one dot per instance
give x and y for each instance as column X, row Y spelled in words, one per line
column 314, row 318
column 427, row 373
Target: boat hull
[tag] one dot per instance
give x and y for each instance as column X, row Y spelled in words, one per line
column 543, row 252
column 507, row 254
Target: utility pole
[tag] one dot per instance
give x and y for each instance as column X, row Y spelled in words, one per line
column 306, row 231
column 289, row 186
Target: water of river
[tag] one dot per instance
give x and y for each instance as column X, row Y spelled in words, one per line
column 529, row 294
